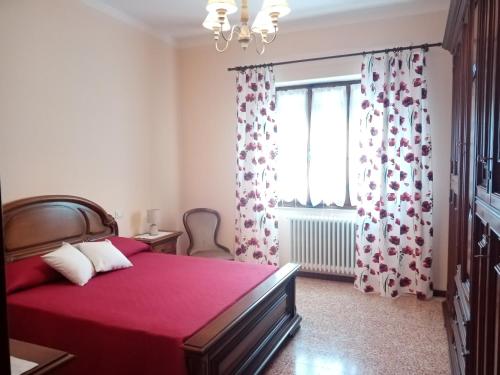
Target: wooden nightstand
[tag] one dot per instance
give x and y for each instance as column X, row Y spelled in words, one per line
column 47, row 359
column 165, row 242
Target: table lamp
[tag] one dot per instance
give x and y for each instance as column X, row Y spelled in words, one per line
column 153, row 217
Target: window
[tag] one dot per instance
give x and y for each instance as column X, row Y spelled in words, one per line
column 318, row 144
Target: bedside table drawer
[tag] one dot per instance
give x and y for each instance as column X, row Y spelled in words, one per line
column 164, row 242
column 166, row 247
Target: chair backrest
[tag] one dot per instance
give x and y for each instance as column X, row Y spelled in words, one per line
column 202, row 226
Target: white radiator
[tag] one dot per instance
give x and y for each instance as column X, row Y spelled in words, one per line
column 323, row 244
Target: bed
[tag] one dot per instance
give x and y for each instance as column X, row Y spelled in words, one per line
column 166, row 315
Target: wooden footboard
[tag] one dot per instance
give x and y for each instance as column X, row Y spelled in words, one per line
column 243, row 338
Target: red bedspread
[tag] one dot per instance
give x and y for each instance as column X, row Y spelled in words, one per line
column 132, row 321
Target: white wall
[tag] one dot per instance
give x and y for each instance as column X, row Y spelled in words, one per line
column 87, row 107
column 207, row 111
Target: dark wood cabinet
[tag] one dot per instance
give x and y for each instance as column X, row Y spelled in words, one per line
column 472, row 306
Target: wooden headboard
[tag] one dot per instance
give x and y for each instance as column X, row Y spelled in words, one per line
column 34, row 226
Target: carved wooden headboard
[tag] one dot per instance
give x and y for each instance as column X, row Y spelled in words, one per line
column 36, row 225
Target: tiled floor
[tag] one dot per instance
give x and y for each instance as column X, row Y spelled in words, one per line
column 346, row 332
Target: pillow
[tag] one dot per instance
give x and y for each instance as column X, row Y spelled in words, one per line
column 129, row 246
column 28, row 273
column 104, row 256
column 71, row 263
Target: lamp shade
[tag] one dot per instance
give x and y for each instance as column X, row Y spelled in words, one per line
column 276, row 6
column 212, row 21
column 153, row 215
column 263, row 23
column 228, row 5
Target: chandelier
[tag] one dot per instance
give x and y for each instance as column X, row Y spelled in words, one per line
column 264, row 28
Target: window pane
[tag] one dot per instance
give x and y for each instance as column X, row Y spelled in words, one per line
column 327, row 170
column 292, row 145
column 354, row 129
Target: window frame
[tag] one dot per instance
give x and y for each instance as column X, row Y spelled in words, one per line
column 310, row 87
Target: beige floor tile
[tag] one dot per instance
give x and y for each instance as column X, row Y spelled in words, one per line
column 345, row 332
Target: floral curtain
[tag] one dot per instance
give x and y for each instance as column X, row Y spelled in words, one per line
column 394, row 232
column 256, row 237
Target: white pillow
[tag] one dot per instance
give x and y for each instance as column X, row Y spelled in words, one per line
column 71, row 263
column 104, row 256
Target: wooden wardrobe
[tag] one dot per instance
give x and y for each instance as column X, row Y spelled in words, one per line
column 472, row 307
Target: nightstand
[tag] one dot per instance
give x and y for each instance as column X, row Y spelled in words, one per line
column 165, row 241
column 47, row 359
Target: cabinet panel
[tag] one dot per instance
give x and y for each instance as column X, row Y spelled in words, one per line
column 495, row 144
column 478, row 297
column 495, row 246
column 486, row 76
column 490, row 304
column 488, row 142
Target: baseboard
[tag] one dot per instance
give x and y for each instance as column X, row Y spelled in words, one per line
column 348, row 279
column 440, row 293
column 326, row 276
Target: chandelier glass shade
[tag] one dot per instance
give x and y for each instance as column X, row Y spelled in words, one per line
column 263, row 31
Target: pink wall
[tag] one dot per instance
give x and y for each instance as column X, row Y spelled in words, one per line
column 87, row 107
column 207, row 110
column 92, row 106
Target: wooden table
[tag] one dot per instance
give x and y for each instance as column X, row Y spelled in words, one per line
column 165, row 244
column 47, row 358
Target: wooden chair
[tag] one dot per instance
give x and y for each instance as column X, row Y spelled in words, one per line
column 202, row 226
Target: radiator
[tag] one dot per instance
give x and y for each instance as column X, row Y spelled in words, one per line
column 323, row 244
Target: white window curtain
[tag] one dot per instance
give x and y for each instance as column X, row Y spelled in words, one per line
column 354, row 151
column 328, row 147
column 292, row 145
column 328, row 136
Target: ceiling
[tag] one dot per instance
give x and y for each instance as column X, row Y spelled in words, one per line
column 182, row 18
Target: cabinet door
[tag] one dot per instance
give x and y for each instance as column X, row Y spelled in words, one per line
column 488, row 177
column 490, row 303
column 495, row 245
column 485, row 88
column 463, row 157
column 470, row 151
column 479, row 294
column 459, row 165
column 495, row 144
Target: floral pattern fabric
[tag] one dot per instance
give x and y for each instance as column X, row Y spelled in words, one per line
column 394, row 231
column 256, row 237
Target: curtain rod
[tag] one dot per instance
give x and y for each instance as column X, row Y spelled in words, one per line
column 425, row 46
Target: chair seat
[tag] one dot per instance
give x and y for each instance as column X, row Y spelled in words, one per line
column 213, row 253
